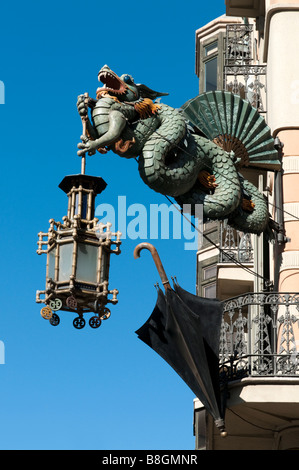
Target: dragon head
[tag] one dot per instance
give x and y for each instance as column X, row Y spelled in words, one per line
column 123, row 87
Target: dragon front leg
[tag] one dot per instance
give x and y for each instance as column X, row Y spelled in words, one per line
column 83, row 103
column 117, row 123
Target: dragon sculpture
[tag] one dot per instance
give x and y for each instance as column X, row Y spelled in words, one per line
column 181, row 152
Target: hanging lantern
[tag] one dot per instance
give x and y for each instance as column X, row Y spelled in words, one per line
column 78, row 257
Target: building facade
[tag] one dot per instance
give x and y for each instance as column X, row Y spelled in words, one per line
column 251, row 51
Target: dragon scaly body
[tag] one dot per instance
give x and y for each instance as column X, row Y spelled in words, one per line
column 174, row 159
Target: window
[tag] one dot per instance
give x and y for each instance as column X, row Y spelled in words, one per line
column 209, row 272
column 211, row 62
column 211, row 74
column 211, row 48
column 207, row 277
column 209, row 291
column 210, row 66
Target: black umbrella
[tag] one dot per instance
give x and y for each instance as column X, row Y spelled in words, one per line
column 184, row 330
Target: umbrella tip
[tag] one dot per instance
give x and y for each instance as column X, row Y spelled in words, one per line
column 221, row 426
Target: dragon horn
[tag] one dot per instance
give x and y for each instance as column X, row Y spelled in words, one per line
column 146, row 92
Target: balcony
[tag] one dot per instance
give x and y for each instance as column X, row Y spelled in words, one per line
column 259, row 336
column 259, row 373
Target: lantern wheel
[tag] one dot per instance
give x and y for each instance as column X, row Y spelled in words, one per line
column 54, row 320
column 95, row 322
column 71, row 302
column 79, row 323
column 55, row 304
column 46, row 313
column 104, row 313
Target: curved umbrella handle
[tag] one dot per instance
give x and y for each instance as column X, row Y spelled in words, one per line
column 157, row 260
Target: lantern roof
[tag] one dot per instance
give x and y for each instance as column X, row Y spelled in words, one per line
column 88, row 182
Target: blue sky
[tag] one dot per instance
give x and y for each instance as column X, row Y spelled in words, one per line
column 62, row 388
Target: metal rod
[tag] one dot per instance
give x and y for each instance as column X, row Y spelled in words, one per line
column 83, row 159
column 84, row 126
column 157, row 260
column 83, row 162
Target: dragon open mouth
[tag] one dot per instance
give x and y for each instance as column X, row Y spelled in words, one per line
column 112, row 83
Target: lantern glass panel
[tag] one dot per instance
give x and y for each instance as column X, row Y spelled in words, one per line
column 51, row 263
column 104, row 266
column 87, row 263
column 65, row 261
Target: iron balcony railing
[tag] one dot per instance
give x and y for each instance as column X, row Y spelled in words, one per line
column 259, row 336
column 234, row 245
column 243, row 75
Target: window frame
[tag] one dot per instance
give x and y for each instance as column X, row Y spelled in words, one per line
column 218, row 53
column 205, row 270
column 202, row 283
column 204, row 287
column 214, row 77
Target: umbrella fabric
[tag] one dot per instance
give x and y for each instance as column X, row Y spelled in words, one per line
column 210, row 313
column 158, row 332
column 184, row 330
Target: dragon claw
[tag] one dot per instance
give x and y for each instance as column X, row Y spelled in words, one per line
column 84, row 138
column 247, row 205
column 207, row 180
column 102, row 150
column 86, row 146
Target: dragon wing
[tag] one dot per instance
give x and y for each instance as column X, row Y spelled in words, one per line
column 234, row 125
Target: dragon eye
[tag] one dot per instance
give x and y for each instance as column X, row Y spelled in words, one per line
column 127, row 79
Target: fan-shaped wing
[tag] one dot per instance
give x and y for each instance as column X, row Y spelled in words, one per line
column 234, row 125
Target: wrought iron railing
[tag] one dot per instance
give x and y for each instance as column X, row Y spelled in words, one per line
column 258, row 336
column 242, row 74
column 234, row 245
column 239, row 44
